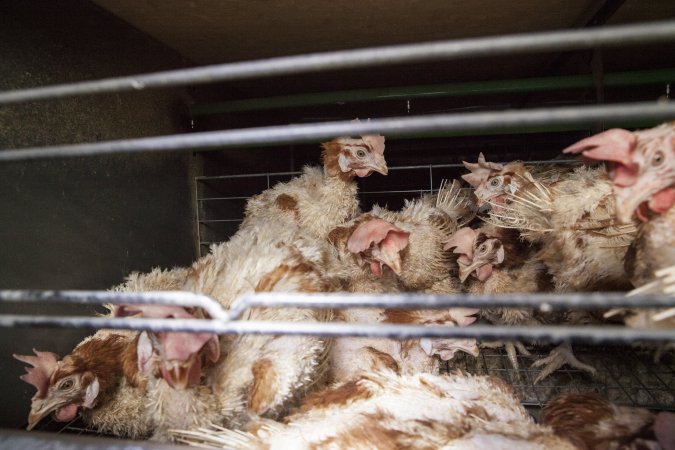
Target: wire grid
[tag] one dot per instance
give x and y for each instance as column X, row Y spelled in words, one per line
column 75, row 426
column 216, row 226
column 625, row 375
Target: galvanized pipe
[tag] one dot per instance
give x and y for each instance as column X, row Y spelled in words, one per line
column 173, row 298
column 591, row 334
column 391, row 127
column 544, row 302
column 623, row 35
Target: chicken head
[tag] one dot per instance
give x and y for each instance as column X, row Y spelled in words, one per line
column 179, row 356
column 377, row 242
column 492, row 181
column 82, row 379
column 642, row 168
column 478, row 253
column 61, row 395
column 362, row 157
column 355, row 156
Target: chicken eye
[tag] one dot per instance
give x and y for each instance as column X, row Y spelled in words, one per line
column 482, row 248
column 66, row 384
column 361, row 153
column 657, row 159
column 495, row 182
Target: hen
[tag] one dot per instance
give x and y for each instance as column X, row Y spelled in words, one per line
column 593, row 423
column 262, row 374
column 99, row 378
column 499, row 262
column 429, row 220
column 643, row 176
column 319, row 200
column 383, row 410
column 177, row 368
column 570, row 214
column 642, row 168
column 363, row 247
column 495, row 261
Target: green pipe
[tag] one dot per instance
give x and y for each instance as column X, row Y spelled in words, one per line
column 531, row 130
column 435, row 90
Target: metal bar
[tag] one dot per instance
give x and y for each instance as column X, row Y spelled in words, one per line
column 391, row 169
column 245, row 175
column 545, row 302
column 623, row 35
column 178, row 298
column 223, row 198
column 398, row 126
column 17, row 439
column 592, row 334
column 537, row 84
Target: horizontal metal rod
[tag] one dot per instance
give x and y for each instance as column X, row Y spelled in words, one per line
column 390, row 127
column 435, row 91
column 623, row 35
column 203, row 178
column 592, row 334
column 178, row 298
column 545, row 302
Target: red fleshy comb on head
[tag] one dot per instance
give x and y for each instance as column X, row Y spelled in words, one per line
column 615, row 146
column 375, row 141
column 44, row 365
column 480, row 171
column 376, row 230
column 462, row 240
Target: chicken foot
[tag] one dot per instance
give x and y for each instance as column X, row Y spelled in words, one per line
column 558, row 357
column 512, row 348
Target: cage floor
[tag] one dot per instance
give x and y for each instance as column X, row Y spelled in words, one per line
column 76, row 426
column 625, row 375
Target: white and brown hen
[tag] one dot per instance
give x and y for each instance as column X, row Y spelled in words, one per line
column 381, row 410
column 321, row 199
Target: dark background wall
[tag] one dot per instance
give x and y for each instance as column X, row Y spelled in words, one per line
column 82, row 223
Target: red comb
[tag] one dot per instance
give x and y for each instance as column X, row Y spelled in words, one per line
column 373, row 230
column 44, row 365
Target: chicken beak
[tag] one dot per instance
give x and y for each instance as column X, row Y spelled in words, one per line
column 390, row 259
column 35, row 417
column 177, row 375
column 465, row 271
column 377, row 163
column 380, row 167
column 41, row 408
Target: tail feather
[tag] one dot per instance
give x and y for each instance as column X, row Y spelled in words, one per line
column 455, row 203
column 217, row 437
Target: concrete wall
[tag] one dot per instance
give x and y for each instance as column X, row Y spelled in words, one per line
column 82, row 223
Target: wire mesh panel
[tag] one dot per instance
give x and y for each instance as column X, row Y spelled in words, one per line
column 221, row 199
column 625, row 375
